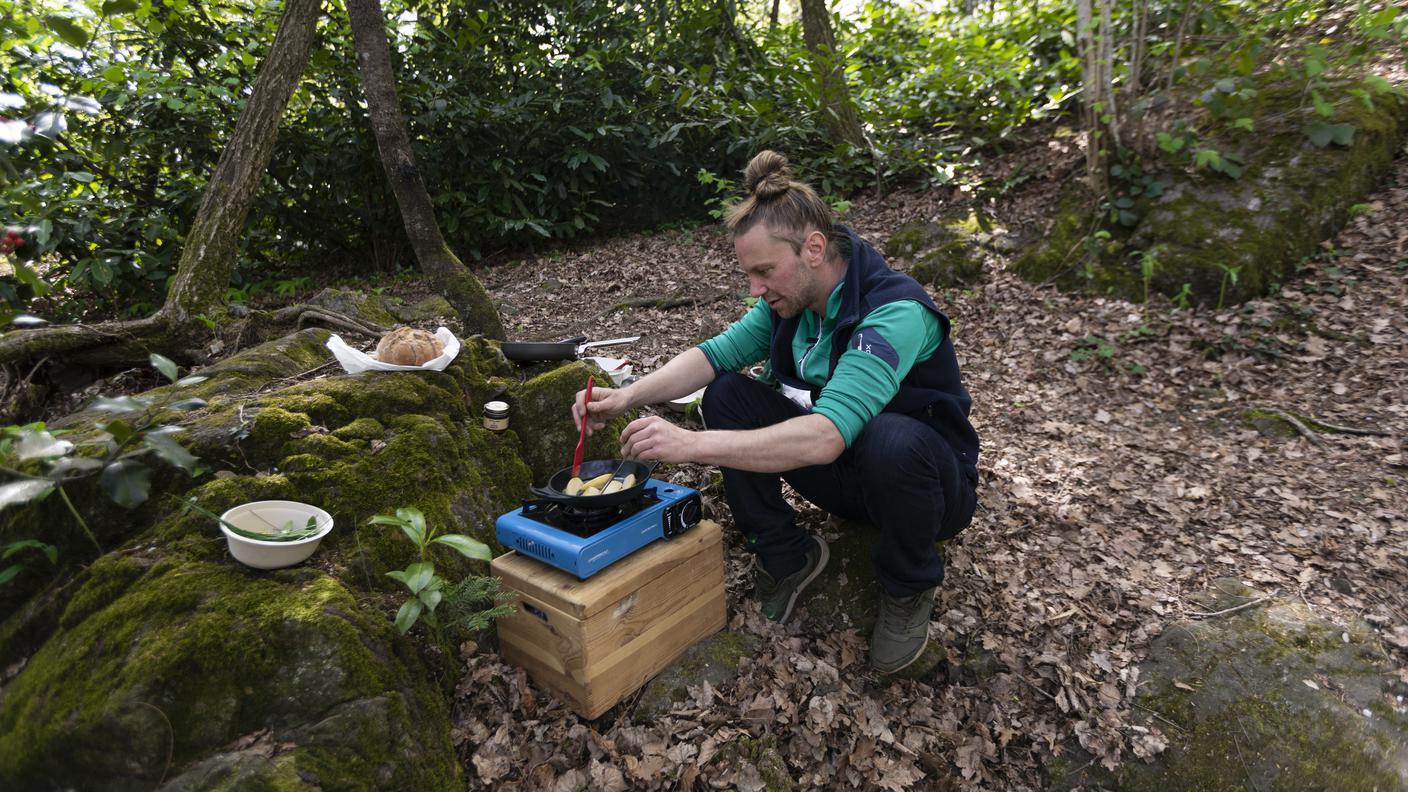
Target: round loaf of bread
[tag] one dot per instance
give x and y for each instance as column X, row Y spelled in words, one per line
column 408, row 346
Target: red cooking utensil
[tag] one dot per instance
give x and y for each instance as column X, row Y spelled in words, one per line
column 582, row 439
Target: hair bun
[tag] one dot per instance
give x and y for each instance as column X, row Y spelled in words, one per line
column 767, row 175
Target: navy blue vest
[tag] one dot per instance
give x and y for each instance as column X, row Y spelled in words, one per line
column 932, row 390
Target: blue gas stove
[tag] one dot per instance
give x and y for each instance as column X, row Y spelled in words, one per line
column 586, row 541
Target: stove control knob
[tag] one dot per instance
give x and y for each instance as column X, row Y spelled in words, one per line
column 689, row 513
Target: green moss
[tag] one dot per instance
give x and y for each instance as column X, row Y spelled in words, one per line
column 196, row 654
column 106, row 580
column 471, row 301
column 356, row 304
column 714, row 659
column 945, row 253
column 325, row 447
column 1291, row 196
column 272, row 428
column 1241, row 714
column 1265, row 742
column 1269, row 423
column 241, row 374
column 541, row 417
column 361, row 429
column 430, row 308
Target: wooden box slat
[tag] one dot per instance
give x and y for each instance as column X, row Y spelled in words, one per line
column 597, row 641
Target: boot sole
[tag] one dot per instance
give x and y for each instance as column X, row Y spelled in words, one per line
column 797, row 592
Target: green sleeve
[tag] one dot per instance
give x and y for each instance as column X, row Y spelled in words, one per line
column 881, row 352
column 744, row 342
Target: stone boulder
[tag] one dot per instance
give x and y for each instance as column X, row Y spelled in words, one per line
column 162, row 662
column 943, row 253
column 1268, row 696
column 1198, row 228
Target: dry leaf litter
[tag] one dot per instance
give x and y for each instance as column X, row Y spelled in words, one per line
column 1116, row 481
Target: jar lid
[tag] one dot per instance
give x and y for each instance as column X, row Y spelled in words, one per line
column 496, row 406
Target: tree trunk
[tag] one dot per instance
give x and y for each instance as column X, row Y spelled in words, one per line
column 448, row 274
column 1092, row 100
column 208, row 254
column 728, row 15
column 838, row 111
column 772, row 17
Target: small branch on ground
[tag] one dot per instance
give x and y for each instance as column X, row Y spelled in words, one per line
column 1233, row 609
column 1295, row 423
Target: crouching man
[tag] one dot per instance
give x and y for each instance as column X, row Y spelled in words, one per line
column 861, row 409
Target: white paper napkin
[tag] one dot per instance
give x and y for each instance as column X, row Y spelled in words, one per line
column 354, row 361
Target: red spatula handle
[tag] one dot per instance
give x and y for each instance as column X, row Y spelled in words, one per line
column 582, row 439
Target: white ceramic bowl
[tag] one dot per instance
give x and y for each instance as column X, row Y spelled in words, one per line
column 260, row 516
column 616, row 368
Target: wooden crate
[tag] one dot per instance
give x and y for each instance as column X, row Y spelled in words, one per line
column 598, row 640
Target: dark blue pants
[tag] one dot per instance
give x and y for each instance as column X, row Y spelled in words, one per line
column 899, row 475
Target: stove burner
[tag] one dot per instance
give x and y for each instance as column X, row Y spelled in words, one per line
column 583, row 521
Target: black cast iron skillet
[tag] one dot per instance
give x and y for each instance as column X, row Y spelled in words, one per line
column 543, row 350
column 591, row 469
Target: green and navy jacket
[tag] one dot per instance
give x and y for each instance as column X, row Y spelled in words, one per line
column 930, row 390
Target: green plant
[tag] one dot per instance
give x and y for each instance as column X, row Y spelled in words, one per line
column 473, row 603
column 427, row 588
column 1147, row 264
column 722, row 188
column 290, row 286
column 1183, row 299
column 1228, row 273
column 39, row 462
column 8, row 573
column 1093, row 347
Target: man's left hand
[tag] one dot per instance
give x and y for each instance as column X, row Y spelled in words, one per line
column 656, row 438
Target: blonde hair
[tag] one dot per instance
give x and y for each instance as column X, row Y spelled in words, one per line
column 789, row 209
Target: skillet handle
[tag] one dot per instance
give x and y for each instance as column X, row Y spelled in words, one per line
column 545, row 493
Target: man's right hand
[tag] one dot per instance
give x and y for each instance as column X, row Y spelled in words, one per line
column 607, row 403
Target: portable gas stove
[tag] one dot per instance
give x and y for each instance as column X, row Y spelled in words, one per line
column 586, row 541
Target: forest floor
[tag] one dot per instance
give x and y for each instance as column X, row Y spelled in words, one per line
column 1119, row 475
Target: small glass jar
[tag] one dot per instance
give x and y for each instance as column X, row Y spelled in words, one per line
column 496, row 416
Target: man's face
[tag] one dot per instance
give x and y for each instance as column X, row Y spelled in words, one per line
column 775, row 273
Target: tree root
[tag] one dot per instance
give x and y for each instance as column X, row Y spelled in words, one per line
column 1310, row 427
column 305, row 313
column 104, row 344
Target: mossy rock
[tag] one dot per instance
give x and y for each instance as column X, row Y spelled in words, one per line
column 943, row 254
column 191, row 669
column 713, row 660
column 427, row 310
column 278, row 679
column 1268, row 697
column 847, row 595
column 541, row 416
column 1291, row 196
column 358, row 305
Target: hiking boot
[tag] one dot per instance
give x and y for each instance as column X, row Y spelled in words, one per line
column 778, row 596
column 902, row 631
